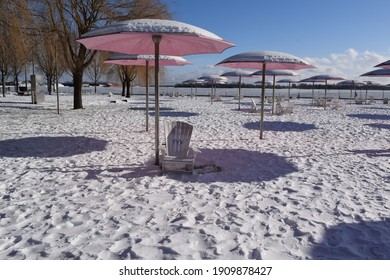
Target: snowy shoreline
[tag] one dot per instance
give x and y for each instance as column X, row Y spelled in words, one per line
column 83, row 184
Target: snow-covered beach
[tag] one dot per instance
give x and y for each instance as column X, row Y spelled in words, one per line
column 83, row 184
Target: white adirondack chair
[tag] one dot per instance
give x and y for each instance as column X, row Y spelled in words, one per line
column 176, row 154
column 254, row 108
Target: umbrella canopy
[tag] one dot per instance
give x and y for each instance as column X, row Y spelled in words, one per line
column 135, row 37
column 385, row 64
column 214, row 79
column 145, row 60
column 194, row 81
column 275, row 73
column 274, row 60
column 353, row 84
column 142, row 59
column 378, row 73
column 154, row 36
column 265, row 60
column 321, row 78
column 286, row 81
column 238, row 73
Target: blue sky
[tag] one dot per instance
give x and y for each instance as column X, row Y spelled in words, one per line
column 343, row 37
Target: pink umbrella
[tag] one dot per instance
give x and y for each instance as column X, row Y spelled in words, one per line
column 275, row 73
column 238, row 73
column 385, row 72
column 322, row 78
column 385, row 65
column 193, row 82
column 352, row 84
column 142, row 59
column 265, row 60
column 289, row 82
column 154, row 36
column 145, row 60
column 213, row 79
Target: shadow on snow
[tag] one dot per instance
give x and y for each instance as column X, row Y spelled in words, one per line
column 280, row 126
column 370, row 116
column 211, row 165
column 44, row 146
column 357, row 241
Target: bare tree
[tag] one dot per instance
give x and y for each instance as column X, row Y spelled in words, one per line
column 15, row 52
column 97, row 68
column 50, row 62
column 127, row 75
column 5, row 60
column 69, row 19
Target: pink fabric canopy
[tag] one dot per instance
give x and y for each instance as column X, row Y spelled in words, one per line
column 273, row 60
column 140, row 60
column 135, row 37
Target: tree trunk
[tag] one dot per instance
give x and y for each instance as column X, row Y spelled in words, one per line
column 49, row 84
column 123, row 89
column 16, row 83
column 77, row 83
column 128, row 89
column 3, row 83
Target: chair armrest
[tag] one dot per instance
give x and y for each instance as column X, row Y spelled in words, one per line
column 162, row 147
column 193, row 151
column 163, row 151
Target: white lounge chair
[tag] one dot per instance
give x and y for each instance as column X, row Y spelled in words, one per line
column 254, row 108
column 289, row 109
column 370, row 100
column 176, row 154
column 335, row 103
column 216, row 97
column 280, row 109
column 358, row 101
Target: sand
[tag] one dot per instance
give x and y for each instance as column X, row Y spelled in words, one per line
column 83, row 184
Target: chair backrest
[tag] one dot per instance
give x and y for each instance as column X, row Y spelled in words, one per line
column 177, row 136
column 253, row 105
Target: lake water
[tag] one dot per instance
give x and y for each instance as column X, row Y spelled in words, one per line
column 245, row 92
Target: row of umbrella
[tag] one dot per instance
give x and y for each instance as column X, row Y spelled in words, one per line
column 245, row 73
column 239, row 73
column 264, row 60
column 156, row 38
column 167, row 37
column 171, row 38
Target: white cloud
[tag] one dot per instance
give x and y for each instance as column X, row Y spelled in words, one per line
column 349, row 64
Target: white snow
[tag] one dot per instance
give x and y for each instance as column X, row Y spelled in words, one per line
column 156, row 26
column 83, row 184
